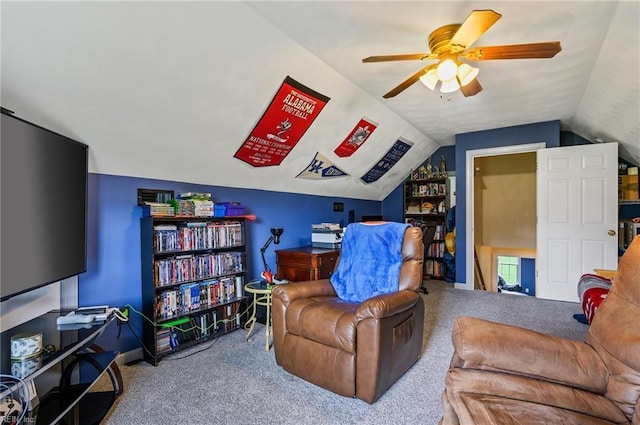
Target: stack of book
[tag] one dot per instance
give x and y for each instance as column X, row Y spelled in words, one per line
column 185, row 208
column 202, row 208
column 154, row 209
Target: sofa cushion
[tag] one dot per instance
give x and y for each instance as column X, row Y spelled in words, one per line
column 500, row 398
column 336, row 329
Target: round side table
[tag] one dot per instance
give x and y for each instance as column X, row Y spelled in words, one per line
column 261, row 296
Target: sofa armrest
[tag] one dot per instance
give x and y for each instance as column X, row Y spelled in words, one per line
column 294, row 290
column 386, row 305
column 480, row 344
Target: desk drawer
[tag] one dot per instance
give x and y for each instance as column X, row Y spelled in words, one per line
column 327, row 260
column 325, row 272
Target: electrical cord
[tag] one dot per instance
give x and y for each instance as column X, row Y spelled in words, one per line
column 14, row 403
column 120, row 315
column 192, row 328
column 123, row 317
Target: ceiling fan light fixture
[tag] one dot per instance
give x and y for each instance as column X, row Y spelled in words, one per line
column 467, row 73
column 449, row 86
column 430, row 79
column 446, row 70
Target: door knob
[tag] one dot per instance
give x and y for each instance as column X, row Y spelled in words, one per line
column 611, row 232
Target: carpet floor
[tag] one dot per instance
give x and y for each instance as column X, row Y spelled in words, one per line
column 231, row 381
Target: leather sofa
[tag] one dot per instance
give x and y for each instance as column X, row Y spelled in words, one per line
column 505, row 375
column 350, row 348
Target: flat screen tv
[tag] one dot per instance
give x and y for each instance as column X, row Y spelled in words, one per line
column 43, row 211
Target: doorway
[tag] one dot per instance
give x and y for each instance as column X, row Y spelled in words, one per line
column 504, row 218
column 501, row 210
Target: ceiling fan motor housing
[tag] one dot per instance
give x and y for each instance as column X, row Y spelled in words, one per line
column 440, row 39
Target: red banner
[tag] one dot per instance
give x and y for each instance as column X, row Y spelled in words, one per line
column 356, row 138
column 289, row 115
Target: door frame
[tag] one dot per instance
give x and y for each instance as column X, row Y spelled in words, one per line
column 470, row 176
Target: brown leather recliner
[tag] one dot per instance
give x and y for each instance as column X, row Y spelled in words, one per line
column 350, row 348
column 505, row 375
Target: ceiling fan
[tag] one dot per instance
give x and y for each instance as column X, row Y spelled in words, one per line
column 451, row 43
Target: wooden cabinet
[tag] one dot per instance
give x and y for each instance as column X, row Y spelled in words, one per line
column 306, row 263
column 425, row 206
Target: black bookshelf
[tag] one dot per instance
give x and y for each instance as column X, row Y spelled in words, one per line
column 193, row 276
column 425, row 205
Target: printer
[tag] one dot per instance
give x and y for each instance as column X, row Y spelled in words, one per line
column 326, row 235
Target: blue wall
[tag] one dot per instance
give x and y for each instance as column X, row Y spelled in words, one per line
column 528, row 276
column 113, row 243
column 548, row 132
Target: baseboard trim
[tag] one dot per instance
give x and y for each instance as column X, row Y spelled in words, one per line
column 130, row 356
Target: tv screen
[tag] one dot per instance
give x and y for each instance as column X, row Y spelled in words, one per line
column 43, row 212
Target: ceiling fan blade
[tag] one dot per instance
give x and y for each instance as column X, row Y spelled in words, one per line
column 407, row 57
column 476, row 24
column 515, row 51
column 471, row 89
column 407, row 83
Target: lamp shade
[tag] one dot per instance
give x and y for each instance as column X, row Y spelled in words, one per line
column 430, row 79
column 466, row 73
column 449, row 86
column 446, row 70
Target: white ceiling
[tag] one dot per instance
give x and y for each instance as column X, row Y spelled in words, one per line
column 170, row 90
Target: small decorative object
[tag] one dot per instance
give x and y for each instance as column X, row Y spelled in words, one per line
column 26, row 345
column 23, row 368
column 423, row 172
column 429, row 169
column 443, row 166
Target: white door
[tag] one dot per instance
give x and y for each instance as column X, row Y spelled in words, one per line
column 577, row 225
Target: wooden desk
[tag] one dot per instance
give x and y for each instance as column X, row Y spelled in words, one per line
column 306, row 263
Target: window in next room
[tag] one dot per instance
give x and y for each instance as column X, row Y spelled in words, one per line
column 509, row 269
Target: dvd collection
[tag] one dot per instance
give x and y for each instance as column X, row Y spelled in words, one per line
column 196, row 296
column 194, row 271
column 183, row 268
column 196, row 235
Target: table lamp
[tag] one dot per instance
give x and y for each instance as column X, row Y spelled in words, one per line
column 267, row 274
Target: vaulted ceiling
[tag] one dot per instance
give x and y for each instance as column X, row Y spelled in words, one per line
column 170, row 90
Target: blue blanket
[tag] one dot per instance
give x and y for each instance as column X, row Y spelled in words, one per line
column 370, row 260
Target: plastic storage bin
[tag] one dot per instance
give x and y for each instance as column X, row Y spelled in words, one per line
column 220, row 209
column 235, row 208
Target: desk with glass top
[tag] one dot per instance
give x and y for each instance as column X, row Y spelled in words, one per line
column 63, row 378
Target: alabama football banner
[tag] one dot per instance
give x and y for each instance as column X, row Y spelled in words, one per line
column 321, row 168
column 289, row 115
column 393, row 155
column 356, row 138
